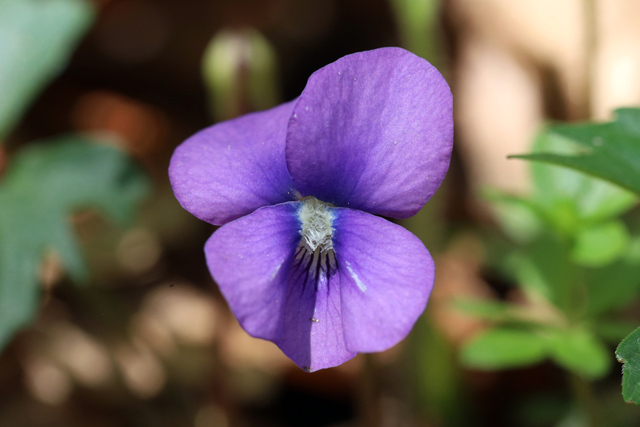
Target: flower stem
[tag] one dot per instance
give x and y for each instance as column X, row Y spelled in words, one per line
column 370, row 414
column 586, row 400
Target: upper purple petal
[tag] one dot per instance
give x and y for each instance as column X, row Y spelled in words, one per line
column 232, row 168
column 273, row 294
column 386, row 276
column 372, row 131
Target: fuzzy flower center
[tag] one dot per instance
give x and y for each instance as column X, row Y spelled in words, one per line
column 317, row 227
column 315, row 253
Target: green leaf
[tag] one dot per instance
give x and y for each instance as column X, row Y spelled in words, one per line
column 628, row 353
column 570, row 198
column 36, row 40
column 611, row 331
column 502, row 348
column 484, row 309
column 45, row 183
column 518, row 217
column 600, row 244
column 579, row 351
column 544, row 268
column 496, row 311
column 610, row 151
column 615, row 285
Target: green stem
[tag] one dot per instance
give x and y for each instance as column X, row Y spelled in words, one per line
column 586, row 399
column 369, row 394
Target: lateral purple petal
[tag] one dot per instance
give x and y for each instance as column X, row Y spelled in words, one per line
column 372, row 131
column 386, row 276
column 232, row 168
column 273, row 294
column 249, row 260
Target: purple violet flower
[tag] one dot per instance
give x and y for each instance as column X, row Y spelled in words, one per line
column 301, row 256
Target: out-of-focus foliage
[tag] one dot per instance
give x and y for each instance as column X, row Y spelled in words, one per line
column 567, row 201
column 616, row 285
column 506, row 347
column 573, row 259
column 610, row 151
column 502, row 348
column 572, row 199
column 628, row 352
column 43, row 185
column 36, row 40
column 239, row 68
column 607, row 150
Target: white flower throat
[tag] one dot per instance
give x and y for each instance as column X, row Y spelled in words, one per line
column 317, row 230
column 315, row 252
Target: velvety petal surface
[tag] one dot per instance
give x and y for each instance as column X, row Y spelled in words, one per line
column 386, row 276
column 232, row 168
column 372, row 131
column 313, row 335
column 249, row 259
column 274, row 294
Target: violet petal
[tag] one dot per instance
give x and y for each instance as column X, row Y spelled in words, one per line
column 232, row 168
column 313, row 335
column 372, row 131
column 386, row 276
column 271, row 293
column 249, row 258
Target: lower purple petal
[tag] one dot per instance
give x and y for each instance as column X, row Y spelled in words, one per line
column 274, row 292
column 312, row 334
column 386, row 276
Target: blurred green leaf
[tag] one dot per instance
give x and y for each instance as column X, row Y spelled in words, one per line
column 611, row 331
column 544, row 268
column 628, row 353
column 571, row 198
column 36, row 40
column 574, row 349
column 496, row 311
column 579, row 351
column 600, row 244
column 484, row 309
column 44, row 184
column 610, row 151
column 502, row 348
column 613, row 286
column 518, row 217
